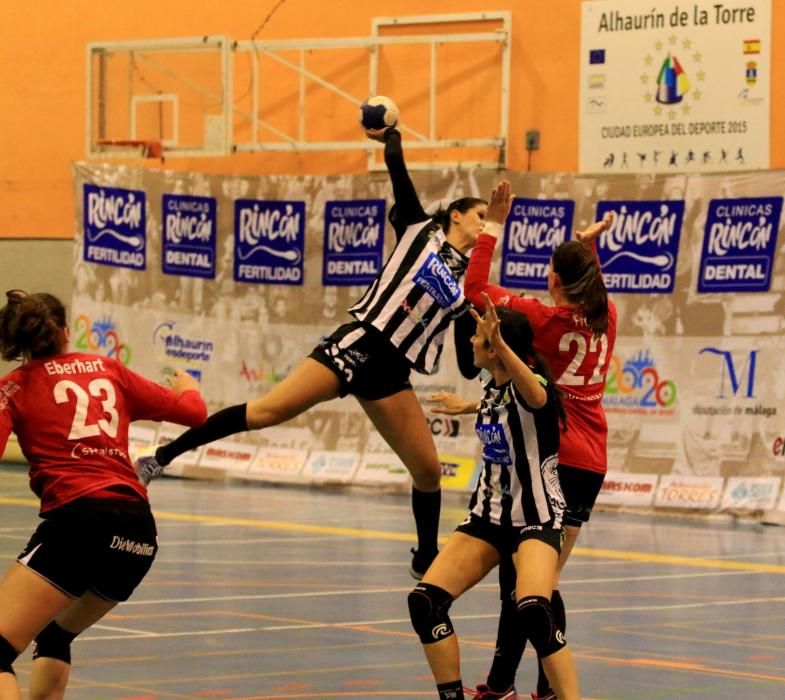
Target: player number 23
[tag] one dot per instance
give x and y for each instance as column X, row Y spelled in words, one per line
column 101, row 389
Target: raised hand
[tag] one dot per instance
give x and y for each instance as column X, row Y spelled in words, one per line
column 596, row 229
column 180, row 381
column 500, row 203
column 377, row 134
column 489, row 324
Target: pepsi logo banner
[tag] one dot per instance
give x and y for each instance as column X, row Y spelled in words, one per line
column 115, row 226
column 269, row 240
column 353, row 241
column 533, row 229
column 638, row 252
column 739, row 244
column 189, row 235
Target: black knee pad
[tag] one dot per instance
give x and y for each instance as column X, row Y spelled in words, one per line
column 7, row 656
column 536, row 617
column 54, row 642
column 428, row 607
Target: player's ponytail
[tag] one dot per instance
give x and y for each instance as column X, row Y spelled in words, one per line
column 582, row 282
column 31, row 326
column 442, row 217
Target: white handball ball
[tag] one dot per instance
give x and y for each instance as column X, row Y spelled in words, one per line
column 378, row 112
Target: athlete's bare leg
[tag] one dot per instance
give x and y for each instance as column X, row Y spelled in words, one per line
column 308, row 384
column 27, row 604
column 401, row 422
column 462, row 563
column 50, row 676
column 535, row 565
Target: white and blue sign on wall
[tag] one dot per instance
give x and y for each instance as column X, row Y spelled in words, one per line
column 189, row 235
column 739, row 243
column 353, row 241
column 115, row 223
column 269, row 241
column 534, row 228
column 638, row 253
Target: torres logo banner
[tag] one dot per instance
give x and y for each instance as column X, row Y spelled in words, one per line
column 353, row 241
column 533, row 229
column 739, row 244
column 269, row 241
column 638, row 253
column 189, row 235
column 115, row 226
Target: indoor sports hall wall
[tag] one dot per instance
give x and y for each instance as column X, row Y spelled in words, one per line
column 42, row 66
column 166, row 275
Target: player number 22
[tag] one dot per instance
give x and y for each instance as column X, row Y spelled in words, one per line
column 101, row 389
column 570, row 376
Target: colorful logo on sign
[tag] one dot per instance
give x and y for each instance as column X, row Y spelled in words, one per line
column 100, row 337
column 672, row 82
column 189, row 234
column 636, row 382
column 115, row 226
column 638, row 253
column 269, row 241
column 353, row 241
column 739, row 244
column 533, row 229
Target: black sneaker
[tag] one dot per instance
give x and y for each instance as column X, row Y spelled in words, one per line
column 420, row 563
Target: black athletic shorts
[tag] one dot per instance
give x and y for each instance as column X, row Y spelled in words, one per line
column 506, row 539
column 368, row 365
column 105, row 546
column 580, row 488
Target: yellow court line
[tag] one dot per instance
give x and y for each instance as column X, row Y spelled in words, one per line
column 363, row 533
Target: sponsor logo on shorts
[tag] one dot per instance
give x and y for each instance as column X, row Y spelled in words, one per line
column 531, row 528
column 441, row 630
column 560, row 637
column 132, row 547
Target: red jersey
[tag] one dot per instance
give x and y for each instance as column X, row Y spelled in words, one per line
column 71, row 414
column 579, row 362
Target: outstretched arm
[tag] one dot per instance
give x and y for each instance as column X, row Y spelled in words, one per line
column 407, row 209
column 476, row 284
column 590, row 235
column 451, row 404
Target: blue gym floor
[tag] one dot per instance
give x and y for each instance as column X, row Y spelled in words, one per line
column 263, row 592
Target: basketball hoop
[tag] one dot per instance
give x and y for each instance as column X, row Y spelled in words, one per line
column 131, row 148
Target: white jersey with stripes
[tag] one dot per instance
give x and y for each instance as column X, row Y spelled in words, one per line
column 519, row 485
column 417, row 295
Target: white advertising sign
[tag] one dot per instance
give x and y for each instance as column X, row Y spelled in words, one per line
column 696, row 492
column 224, row 454
column 332, row 467
column 674, row 87
column 278, row 463
column 620, row 489
column 751, row 493
column 381, row 468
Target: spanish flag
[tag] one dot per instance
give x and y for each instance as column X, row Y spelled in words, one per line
column 752, row 46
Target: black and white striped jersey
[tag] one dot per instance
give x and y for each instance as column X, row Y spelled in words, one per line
column 519, row 485
column 417, row 295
